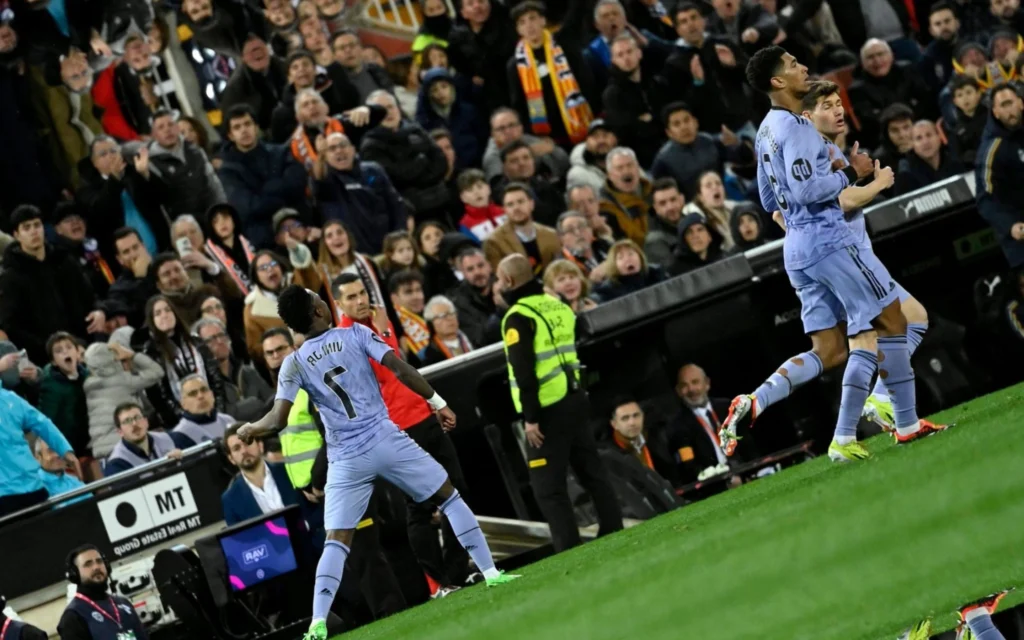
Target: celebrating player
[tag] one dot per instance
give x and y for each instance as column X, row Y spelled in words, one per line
column 833, row 276
column 333, row 367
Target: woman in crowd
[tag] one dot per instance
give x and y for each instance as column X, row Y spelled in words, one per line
column 747, row 230
column 711, row 204
column 628, row 272
column 566, row 279
column 227, row 245
column 438, row 276
column 170, row 346
column 446, row 340
column 338, row 255
column 399, row 253
column 269, row 277
column 699, row 245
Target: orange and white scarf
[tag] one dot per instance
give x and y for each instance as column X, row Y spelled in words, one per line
column 304, row 150
column 417, row 333
column 575, row 111
column 240, row 277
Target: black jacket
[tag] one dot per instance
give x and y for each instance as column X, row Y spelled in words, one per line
column 485, row 55
column 131, row 293
column 624, row 102
column 849, row 18
column 721, row 98
column 686, row 431
column 364, row 199
column 685, row 258
column 38, row 299
column 102, row 204
column 337, row 91
column 475, row 310
column 965, row 134
column 1000, row 191
column 39, row 35
column 915, row 173
column 26, row 172
column 611, row 288
column 748, row 17
column 413, row 161
column 870, row 95
column 227, row 29
column 261, row 91
column 936, row 64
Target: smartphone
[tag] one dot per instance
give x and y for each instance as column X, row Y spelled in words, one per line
column 183, row 245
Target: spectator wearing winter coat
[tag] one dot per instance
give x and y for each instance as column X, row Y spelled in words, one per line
column 699, row 245
column 179, row 355
column 520, row 233
column 747, row 230
column 221, row 26
column 410, row 157
column 269, row 278
column 929, row 162
column 474, row 296
column 633, row 101
column 226, row 245
column 359, row 194
column 626, row 196
column 689, row 152
column 506, row 128
column 246, row 392
column 117, row 375
column 360, row 78
column 139, row 445
column 258, row 82
column 937, row 60
column 61, row 393
column 72, row 236
column 200, row 421
column 188, row 183
column 896, row 124
column 480, row 45
column 114, row 194
column 43, row 290
column 189, row 280
column 259, row 178
column 966, row 131
column 520, row 166
column 134, row 286
column 628, row 272
column 663, row 229
column 302, row 74
column 588, row 157
column 128, row 90
column 441, row 106
column 481, row 216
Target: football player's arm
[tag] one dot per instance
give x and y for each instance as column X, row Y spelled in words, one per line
column 810, row 182
column 764, row 187
column 288, row 384
column 408, row 375
column 855, row 197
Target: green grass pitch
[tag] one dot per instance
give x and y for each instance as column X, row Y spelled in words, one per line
column 818, row 551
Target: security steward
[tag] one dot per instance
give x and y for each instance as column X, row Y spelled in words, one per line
column 95, row 613
column 539, row 332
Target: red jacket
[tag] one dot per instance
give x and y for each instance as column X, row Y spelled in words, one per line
column 105, row 96
column 406, row 407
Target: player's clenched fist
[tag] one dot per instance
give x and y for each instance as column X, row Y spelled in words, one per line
column 861, row 162
column 447, row 418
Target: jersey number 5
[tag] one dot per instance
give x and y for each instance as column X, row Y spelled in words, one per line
column 330, row 381
column 775, row 183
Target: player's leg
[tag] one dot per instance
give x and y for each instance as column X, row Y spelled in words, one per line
column 346, row 496
column 412, row 470
column 917, row 326
column 976, row 618
column 586, row 462
column 860, row 368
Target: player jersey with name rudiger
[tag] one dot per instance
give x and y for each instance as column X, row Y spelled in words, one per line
column 795, row 177
column 334, row 370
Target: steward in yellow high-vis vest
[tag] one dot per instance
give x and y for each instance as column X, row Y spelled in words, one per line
column 300, row 442
column 539, row 335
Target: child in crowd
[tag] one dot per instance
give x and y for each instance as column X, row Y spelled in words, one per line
column 481, row 216
column 61, row 392
column 399, row 253
column 966, row 131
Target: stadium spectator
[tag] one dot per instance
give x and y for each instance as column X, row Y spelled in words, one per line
column 520, row 234
column 563, row 110
column 220, row 26
column 588, row 158
column 89, row 571
column 359, row 193
column 633, row 100
column 129, row 91
column 479, row 47
column 520, row 166
column 699, row 245
column 338, row 254
column 631, row 437
column 134, row 286
column 53, row 471
column 1005, row 14
column 201, row 262
column 114, row 193
column 246, row 392
column 880, row 81
column 137, row 444
column 362, row 77
column 302, row 74
column 565, row 278
column 258, row 82
column 117, row 376
column 711, row 204
column 937, row 60
column 506, row 128
column 447, row 340
column 474, row 297
column 42, row 289
column 287, row 223
column 443, row 139
column 226, row 245
column 966, row 131
column 404, row 74
column 259, row 178
column 277, row 345
column 609, row 22
column 929, row 162
column 200, row 420
column 436, row 28
column 663, row 229
column 186, row 178
column 170, row 345
column 747, row 230
column 20, row 484
column 580, row 247
column 896, row 123
column 180, row 286
column 628, row 272
column 749, row 26
column 269, row 278
column 689, row 152
column 61, row 393
column 398, row 253
column 72, row 237
column 626, row 196
column 409, row 301
column 410, row 157
column 1000, row 194
column 584, row 199
column 441, row 105
column 481, row 216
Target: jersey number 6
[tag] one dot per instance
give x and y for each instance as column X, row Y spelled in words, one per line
column 775, row 183
column 329, row 380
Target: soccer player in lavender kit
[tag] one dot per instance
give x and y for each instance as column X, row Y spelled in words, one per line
column 833, row 276
column 332, row 366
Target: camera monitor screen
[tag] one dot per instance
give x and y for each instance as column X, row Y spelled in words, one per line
column 258, row 553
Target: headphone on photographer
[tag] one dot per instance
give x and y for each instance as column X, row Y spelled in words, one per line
column 71, row 569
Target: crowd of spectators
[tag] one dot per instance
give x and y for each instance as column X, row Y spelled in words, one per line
column 169, row 167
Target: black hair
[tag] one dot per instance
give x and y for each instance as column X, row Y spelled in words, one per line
column 239, row 111
column 763, row 66
column 523, row 8
column 124, row 232
column 25, row 213
column 517, row 186
column 161, row 259
column 673, row 107
column 664, row 184
column 345, row 31
column 279, row 331
column 999, row 88
column 123, row 407
column 403, row 278
column 161, row 113
column 619, row 401
column 894, row 112
column 296, row 55
column 683, row 7
column 960, row 81
column 343, row 279
column 232, row 430
column 512, row 147
column 941, row 5
column 295, row 306
column 468, row 178
column 57, row 337
column 72, row 556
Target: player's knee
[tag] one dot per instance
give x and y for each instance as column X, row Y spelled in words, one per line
column 891, row 321
column 443, row 493
column 867, row 341
column 830, row 347
column 344, row 536
column 914, row 312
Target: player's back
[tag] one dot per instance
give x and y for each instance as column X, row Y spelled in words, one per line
column 795, row 177
column 334, row 369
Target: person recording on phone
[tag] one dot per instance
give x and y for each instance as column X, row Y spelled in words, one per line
column 191, row 246
column 94, row 613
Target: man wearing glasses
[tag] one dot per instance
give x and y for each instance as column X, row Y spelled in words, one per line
column 580, row 247
column 246, row 391
column 138, row 445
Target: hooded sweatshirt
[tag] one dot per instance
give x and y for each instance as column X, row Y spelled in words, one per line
column 734, row 224
column 109, row 385
column 686, row 259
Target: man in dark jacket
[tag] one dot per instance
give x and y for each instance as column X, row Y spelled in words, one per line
column 520, row 165
column 186, row 179
column 850, row 18
column 441, row 106
column 929, row 162
column 259, row 178
column 134, row 287
column 42, row 289
column 1000, row 189
column 633, row 101
column 259, row 82
column 880, row 81
column 361, row 78
column 480, row 45
column 896, row 125
column 474, row 298
column 114, row 194
column 937, row 61
column 333, row 86
column 411, row 158
column 751, row 27
column 72, row 237
column 221, row 25
column 357, row 193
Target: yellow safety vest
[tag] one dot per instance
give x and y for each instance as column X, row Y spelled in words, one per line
column 300, row 442
column 551, row 351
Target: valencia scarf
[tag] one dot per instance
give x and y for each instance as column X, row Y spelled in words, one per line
column 417, row 333
column 304, row 150
column 575, row 111
column 464, row 346
column 240, row 277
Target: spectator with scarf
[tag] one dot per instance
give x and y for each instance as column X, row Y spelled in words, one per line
column 338, row 255
column 269, row 277
column 406, row 288
column 554, row 103
column 313, row 117
column 447, row 341
column 227, row 246
column 626, row 196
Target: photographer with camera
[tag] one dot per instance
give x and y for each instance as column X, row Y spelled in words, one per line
column 94, row 613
